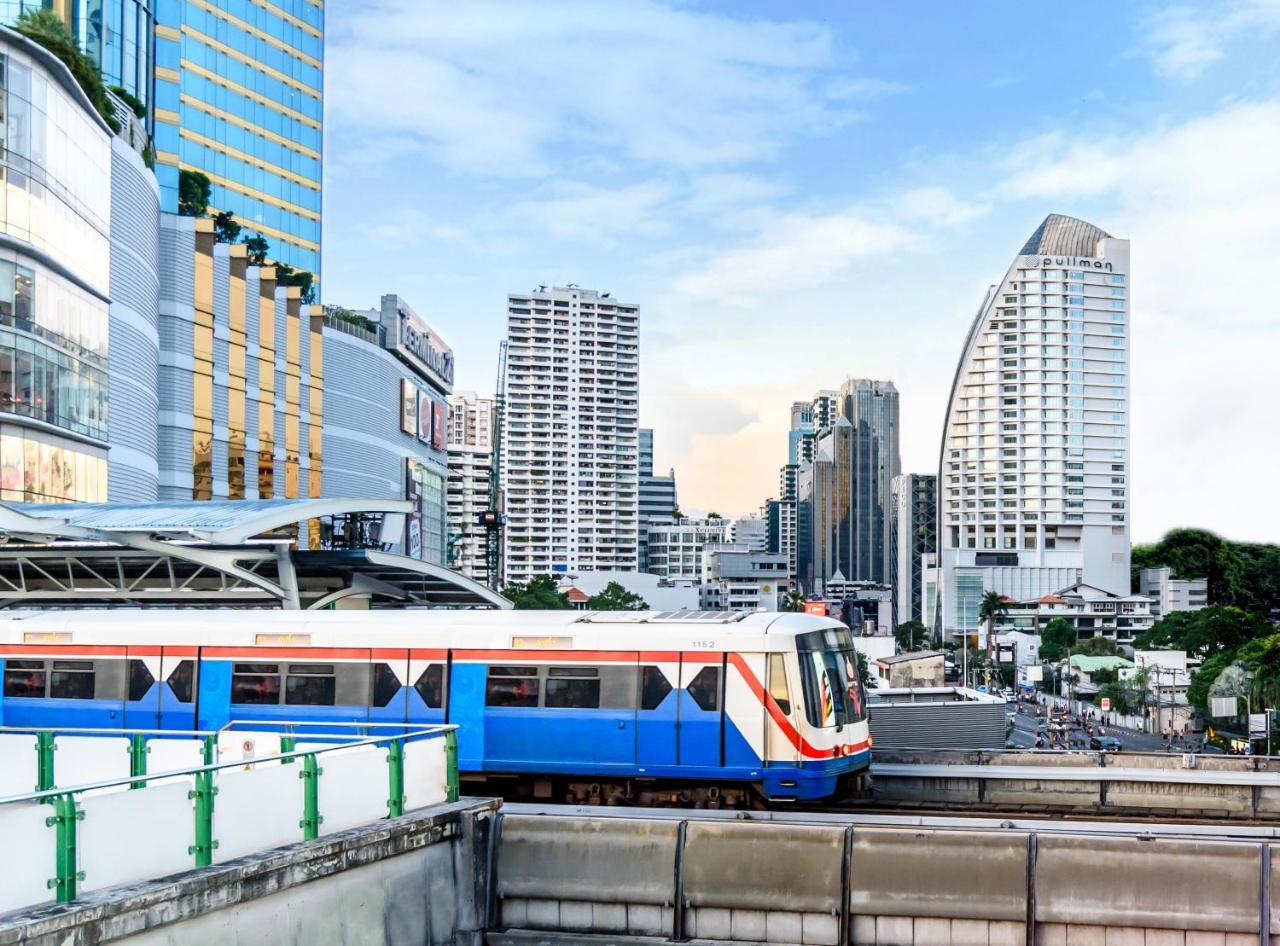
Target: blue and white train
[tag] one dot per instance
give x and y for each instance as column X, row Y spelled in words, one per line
column 723, row 709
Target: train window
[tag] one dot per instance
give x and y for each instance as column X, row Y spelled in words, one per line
column 705, row 688
column 512, row 686
column 575, row 687
column 430, row 686
column 140, row 680
column 71, row 680
column 654, row 687
column 182, row 680
column 778, row 683
column 255, row 684
column 385, row 685
column 24, row 679
column 309, row 685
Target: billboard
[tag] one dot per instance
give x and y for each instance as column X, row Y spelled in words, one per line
column 424, row 417
column 439, row 419
column 408, row 407
column 816, row 607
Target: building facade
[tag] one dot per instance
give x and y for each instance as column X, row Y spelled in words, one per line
column 1093, row 612
column 1034, row 466
column 471, row 420
column 780, row 519
column 1169, row 594
column 55, row 270
column 239, row 94
column 675, row 549
column 915, row 529
column 657, row 496
column 739, row 578
column 569, row 445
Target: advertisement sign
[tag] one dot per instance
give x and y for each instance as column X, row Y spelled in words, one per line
column 1223, row 706
column 439, row 420
column 408, row 407
column 816, row 607
column 1257, row 724
column 1106, row 704
column 424, row 417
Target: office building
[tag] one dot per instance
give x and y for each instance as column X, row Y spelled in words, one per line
column 569, row 446
column 780, row 520
column 675, row 548
column 387, row 376
column 800, row 436
column 55, row 265
column 471, row 420
column 751, row 531
column 915, row 527
column 848, row 488
column 657, row 496
column 239, row 94
column 1034, row 466
column 1169, row 594
column 739, row 578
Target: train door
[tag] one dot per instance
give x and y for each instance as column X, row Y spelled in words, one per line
column 212, row 689
column 177, row 688
column 701, row 707
column 658, row 713
column 780, row 718
column 389, row 686
column 464, row 700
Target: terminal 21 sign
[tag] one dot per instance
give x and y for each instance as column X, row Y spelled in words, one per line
column 424, row 349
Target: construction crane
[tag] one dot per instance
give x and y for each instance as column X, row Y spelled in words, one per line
column 492, row 519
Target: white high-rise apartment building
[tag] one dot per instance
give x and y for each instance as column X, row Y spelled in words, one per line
column 569, row 445
column 1033, row 480
column 471, row 419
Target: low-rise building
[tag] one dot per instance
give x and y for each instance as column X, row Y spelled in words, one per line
column 1018, row 648
column 917, row 670
column 1091, row 611
column 739, row 578
column 1169, row 594
column 659, row 594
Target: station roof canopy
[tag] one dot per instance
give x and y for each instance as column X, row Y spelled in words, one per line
column 254, row 552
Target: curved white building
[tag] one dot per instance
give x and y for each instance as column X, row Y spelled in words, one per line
column 1034, row 469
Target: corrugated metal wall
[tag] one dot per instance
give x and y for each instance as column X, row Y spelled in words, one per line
column 938, row 725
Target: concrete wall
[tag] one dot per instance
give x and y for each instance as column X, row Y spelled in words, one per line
column 420, row 879
column 558, row 880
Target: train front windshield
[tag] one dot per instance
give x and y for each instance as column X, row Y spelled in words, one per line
column 833, row 693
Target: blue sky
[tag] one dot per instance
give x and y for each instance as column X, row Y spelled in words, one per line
column 799, row 192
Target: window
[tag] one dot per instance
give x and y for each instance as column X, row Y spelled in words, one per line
column 182, row 680
column 654, row 688
column 255, row 684
column 140, row 680
column 24, row 679
column 385, row 685
column 573, row 687
column 512, row 686
column 71, row 680
column 309, row 685
column 430, row 686
column 778, row 683
column 705, row 688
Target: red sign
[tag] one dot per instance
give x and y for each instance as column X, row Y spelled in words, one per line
column 816, row 607
column 1106, row 704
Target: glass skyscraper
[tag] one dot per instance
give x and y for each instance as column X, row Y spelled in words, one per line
column 239, row 89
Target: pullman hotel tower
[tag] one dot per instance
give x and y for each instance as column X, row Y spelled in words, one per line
column 1033, row 483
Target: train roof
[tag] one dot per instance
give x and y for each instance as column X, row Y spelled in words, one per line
column 487, row 628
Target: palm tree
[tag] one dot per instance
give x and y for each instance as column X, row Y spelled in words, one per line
column 793, row 601
column 994, row 605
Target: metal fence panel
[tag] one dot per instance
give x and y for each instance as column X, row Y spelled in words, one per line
column 128, row 836
column 257, row 810
column 354, row 788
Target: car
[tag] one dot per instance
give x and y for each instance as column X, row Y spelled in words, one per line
column 1009, row 695
column 1105, row 743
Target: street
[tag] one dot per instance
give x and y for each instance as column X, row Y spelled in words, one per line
column 1025, row 728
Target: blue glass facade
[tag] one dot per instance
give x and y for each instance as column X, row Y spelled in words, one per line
column 239, row 96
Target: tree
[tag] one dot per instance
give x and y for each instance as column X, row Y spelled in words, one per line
column 1205, row 677
column 864, row 672
column 286, row 275
column 1243, row 575
column 226, row 229
column 714, row 515
column 258, row 249
column 1213, row 630
column 993, row 606
column 793, row 601
column 45, row 27
column 1099, row 646
column 1056, row 637
column 910, row 635
column 1261, row 657
column 614, row 597
column 538, row 594
column 135, row 103
column 194, row 191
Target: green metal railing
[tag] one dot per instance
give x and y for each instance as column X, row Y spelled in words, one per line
column 67, row 812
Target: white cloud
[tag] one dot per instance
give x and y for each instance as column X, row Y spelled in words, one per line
column 594, row 214
column 1183, row 41
column 491, row 86
column 937, row 206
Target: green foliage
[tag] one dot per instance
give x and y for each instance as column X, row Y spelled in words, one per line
column 194, row 191
column 1098, row 646
column 1204, row 633
column 910, row 635
column 614, row 597
column 1243, row 575
column 793, row 601
column 226, row 229
column 149, row 157
column 1056, row 637
column 258, row 248
column 676, row 515
column 135, row 103
column 1124, row 698
column 1105, row 676
column 993, row 607
column 864, row 671
column 1261, row 656
column 354, row 318
column 286, row 275
column 714, row 515
column 46, row 28
column 538, row 594
column 1203, row 679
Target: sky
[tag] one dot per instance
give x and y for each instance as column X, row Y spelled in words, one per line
column 795, row 193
